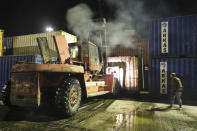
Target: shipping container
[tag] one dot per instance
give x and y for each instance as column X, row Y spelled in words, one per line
column 7, row 45
column 39, row 59
column 185, row 69
column 125, row 69
column 1, row 42
column 139, row 49
column 27, row 44
column 174, row 37
column 6, row 63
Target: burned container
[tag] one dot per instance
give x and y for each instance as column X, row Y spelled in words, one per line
column 27, row 44
column 125, row 70
column 6, row 63
column 140, row 49
column 184, row 68
column 174, row 37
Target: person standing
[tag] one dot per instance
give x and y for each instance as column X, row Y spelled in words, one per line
column 176, row 90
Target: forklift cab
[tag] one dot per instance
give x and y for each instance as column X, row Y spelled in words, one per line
column 87, row 53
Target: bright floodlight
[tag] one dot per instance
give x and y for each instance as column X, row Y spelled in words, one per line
column 49, row 29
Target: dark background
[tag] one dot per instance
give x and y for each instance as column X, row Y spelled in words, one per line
column 19, row 17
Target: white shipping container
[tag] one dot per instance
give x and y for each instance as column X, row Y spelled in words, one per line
column 23, row 44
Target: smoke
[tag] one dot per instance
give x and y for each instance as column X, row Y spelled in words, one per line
column 129, row 16
column 119, row 35
column 79, row 19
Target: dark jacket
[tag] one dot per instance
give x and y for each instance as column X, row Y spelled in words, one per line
column 176, row 85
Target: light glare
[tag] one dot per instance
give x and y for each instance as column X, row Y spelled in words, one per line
column 49, row 29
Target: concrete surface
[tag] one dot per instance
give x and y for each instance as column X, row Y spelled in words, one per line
column 105, row 115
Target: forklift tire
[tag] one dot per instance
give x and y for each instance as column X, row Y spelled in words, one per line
column 68, row 97
column 6, row 95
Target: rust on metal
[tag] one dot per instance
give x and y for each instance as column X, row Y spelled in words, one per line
column 94, row 86
column 25, row 89
column 109, row 82
column 48, row 79
column 48, row 68
column 140, row 48
column 94, row 67
column 62, row 48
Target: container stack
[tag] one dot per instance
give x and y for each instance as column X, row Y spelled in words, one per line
column 173, row 48
column 27, row 44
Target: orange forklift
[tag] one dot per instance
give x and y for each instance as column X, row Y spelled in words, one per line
column 74, row 77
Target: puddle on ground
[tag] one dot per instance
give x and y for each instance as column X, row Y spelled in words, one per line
column 134, row 121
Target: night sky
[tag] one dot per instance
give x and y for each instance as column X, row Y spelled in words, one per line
column 19, row 17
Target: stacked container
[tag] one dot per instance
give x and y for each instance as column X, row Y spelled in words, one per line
column 27, row 44
column 7, row 45
column 173, row 48
column 6, row 63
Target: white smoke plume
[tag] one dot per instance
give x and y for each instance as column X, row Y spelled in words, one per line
column 130, row 14
column 79, row 19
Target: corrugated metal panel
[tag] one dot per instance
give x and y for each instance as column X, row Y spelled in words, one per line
column 125, row 69
column 140, row 49
column 7, row 42
column 123, row 51
column 184, row 68
column 27, row 44
column 182, row 37
column 1, row 92
column 143, row 47
column 7, row 45
column 69, row 38
column 1, row 42
column 6, row 63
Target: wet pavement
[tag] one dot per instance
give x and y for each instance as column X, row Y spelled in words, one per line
column 105, row 115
